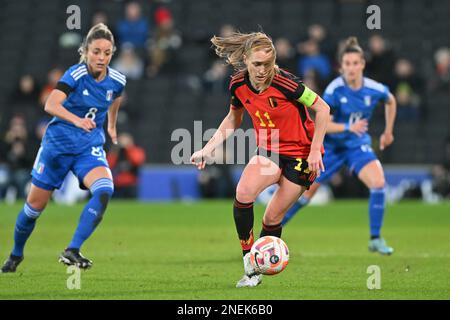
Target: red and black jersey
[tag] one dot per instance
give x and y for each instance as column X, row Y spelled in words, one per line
column 281, row 121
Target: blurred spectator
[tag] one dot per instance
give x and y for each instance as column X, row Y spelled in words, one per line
column 312, row 81
column 53, row 77
column 216, row 78
column 440, row 82
column 27, row 91
column 134, row 29
column 129, row 63
column 125, row 159
column 408, row 89
column 226, row 30
column 380, row 60
column 285, row 54
column 164, row 45
column 313, row 59
column 24, row 100
column 318, row 33
column 17, row 156
column 99, row 17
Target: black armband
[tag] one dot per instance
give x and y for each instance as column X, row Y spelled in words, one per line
column 64, row 87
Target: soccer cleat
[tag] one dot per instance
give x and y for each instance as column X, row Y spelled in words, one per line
column 248, row 268
column 379, row 245
column 247, row 281
column 11, row 264
column 251, row 278
column 73, row 257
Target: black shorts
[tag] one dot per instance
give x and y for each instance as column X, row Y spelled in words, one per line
column 295, row 170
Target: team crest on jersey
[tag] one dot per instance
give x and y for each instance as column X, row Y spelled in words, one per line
column 40, row 168
column 273, row 102
column 109, row 95
column 367, row 100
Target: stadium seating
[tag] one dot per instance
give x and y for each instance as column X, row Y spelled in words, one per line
column 155, row 107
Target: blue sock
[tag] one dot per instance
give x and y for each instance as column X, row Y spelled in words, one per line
column 26, row 220
column 300, row 203
column 376, row 211
column 92, row 214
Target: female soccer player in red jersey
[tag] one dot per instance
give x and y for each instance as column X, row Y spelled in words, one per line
column 289, row 143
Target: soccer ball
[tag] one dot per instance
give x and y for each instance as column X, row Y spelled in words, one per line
column 269, row 255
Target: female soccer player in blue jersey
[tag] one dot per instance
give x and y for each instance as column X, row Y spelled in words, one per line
column 352, row 98
column 74, row 142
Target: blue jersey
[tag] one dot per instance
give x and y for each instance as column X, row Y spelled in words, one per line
column 86, row 98
column 349, row 106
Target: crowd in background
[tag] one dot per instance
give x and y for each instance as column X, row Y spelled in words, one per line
column 148, row 46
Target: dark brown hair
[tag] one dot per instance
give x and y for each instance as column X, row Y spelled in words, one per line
column 351, row 45
column 99, row 31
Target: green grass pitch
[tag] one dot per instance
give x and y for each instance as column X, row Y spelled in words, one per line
column 190, row 251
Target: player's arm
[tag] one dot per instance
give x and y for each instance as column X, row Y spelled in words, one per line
column 322, row 118
column 231, row 122
column 387, row 137
column 54, row 107
column 358, row 127
column 112, row 119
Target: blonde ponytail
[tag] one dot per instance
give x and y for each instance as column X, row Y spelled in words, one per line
column 234, row 47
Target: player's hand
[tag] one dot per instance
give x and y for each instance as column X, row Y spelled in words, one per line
column 386, row 140
column 360, row 127
column 86, row 124
column 315, row 163
column 113, row 134
column 198, row 159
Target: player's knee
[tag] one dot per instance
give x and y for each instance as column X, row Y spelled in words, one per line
column 31, row 211
column 245, row 194
column 377, row 183
column 37, row 201
column 272, row 220
column 37, row 205
column 103, row 189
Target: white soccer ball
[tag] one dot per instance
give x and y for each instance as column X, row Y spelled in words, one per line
column 269, row 255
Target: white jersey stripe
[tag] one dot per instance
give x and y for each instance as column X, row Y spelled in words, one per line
column 123, row 82
column 372, row 84
column 336, row 83
column 80, row 75
column 77, row 69
column 113, row 72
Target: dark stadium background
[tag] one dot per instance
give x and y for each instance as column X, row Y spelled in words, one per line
column 34, row 39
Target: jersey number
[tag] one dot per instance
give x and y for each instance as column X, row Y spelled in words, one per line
column 91, row 113
column 98, row 152
column 298, row 167
column 261, row 120
column 354, row 117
